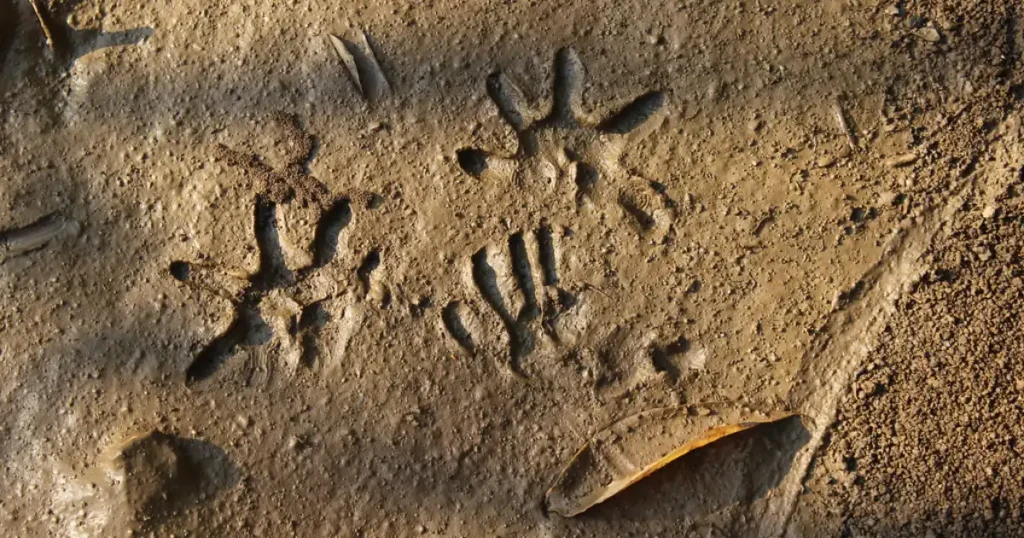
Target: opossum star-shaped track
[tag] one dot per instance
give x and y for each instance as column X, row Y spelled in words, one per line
column 565, row 152
column 290, row 307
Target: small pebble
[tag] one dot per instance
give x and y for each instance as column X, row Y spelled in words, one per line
column 928, row 33
column 901, row 160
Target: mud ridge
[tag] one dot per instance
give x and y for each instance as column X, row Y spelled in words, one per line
column 848, row 335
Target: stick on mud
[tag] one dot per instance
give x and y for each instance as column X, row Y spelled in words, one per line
column 844, row 124
column 34, row 236
column 900, row 161
column 359, row 59
column 43, row 17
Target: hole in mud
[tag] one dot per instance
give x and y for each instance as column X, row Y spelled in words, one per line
column 1017, row 92
column 453, row 324
column 216, row 352
column 586, row 181
column 523, row 275
column 847, row 297
column 940, row 275
column 566, row 300
column 273, row 271
column 486, row 281
column 664, row 358
column 370, row 263
column 473, row 161
column 568, row 86
column 507, row 98
column 418, row 308
column 546, row 245
column 375, row 201
column 181, row 271
column 313, row 318
column 325, row 242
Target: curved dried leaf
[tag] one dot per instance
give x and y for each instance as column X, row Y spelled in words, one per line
column 636, row 446
column 360, row 61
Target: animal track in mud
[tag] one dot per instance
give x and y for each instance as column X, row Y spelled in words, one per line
column 564, row 152
column 517, row 306
column 519, row 284
column 303, row 311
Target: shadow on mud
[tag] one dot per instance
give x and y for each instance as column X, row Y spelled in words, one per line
column 736, row 470
column 136, row 352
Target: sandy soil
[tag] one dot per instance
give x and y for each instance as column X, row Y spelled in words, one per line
column 259, row 281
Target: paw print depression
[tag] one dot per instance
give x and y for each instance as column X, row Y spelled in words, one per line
column 567, row 153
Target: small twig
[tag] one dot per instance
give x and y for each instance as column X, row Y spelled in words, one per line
column 900, row 161
column 35, row 236
column 844, row 125
column 42, row 16
column 768, row 217
column 595, row 288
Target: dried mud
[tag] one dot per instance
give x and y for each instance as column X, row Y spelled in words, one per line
column 380, row 270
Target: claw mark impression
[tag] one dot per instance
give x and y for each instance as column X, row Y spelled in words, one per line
column 565, row 147
column 518, row 284
column 289, row 302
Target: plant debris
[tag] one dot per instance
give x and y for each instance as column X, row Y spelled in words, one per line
column 35, row 236
column 636, row 446
column 361, row 63
column 900, row 161
column 844, row 124
column 44, row 22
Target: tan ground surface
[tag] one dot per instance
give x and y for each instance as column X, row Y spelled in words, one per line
column 398, row 305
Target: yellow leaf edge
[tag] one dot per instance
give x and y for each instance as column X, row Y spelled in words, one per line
column 708, row 437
